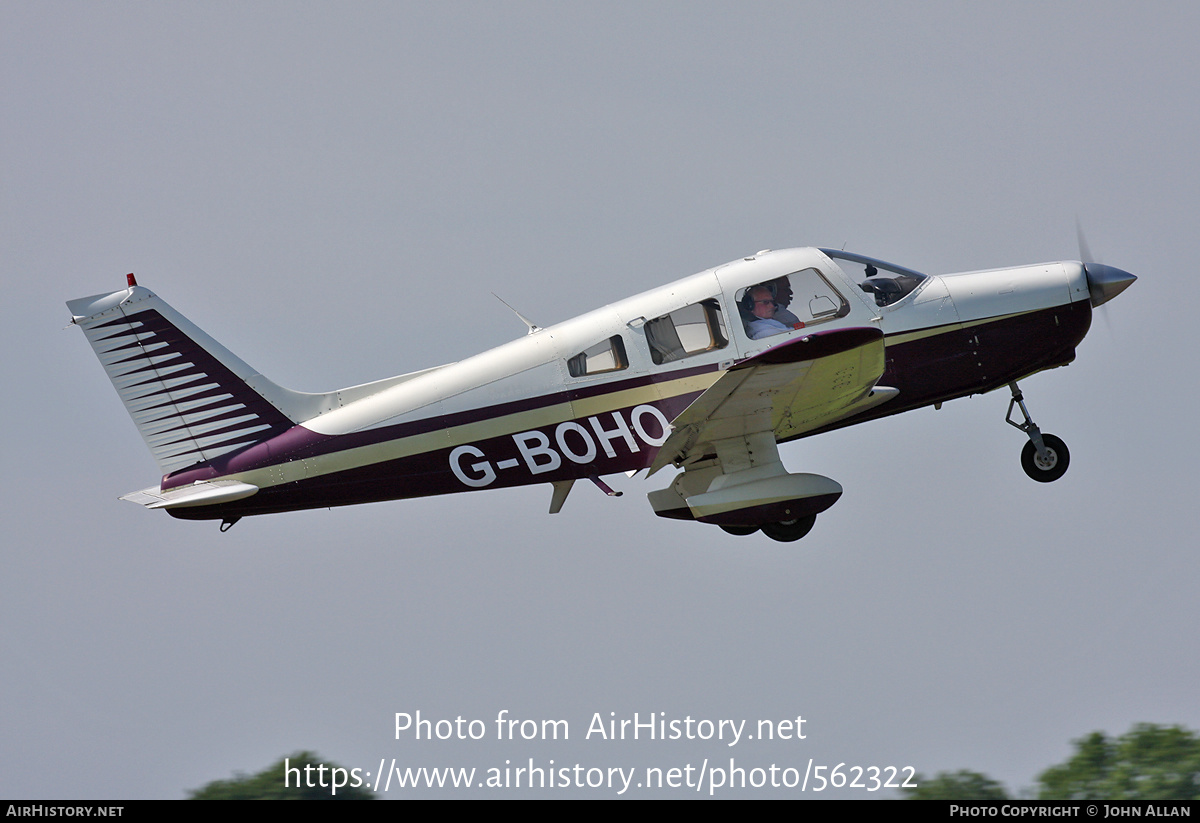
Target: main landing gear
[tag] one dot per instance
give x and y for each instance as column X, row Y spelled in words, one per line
column 1045, row 457
column 785, row 531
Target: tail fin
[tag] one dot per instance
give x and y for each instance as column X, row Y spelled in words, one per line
column 191, row 398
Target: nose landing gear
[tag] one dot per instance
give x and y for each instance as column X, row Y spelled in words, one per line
column 1045, row 457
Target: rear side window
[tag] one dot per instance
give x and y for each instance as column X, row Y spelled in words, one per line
column 691, row 330
column 607, row 355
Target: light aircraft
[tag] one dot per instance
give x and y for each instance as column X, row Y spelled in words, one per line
column 707, row 374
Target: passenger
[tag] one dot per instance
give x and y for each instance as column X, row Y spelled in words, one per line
column 761, row 306
column 783, row 299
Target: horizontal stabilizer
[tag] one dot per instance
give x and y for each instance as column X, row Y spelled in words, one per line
column 198, row 494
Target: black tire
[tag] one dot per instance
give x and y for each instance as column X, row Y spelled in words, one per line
column 789, row 530
column 1049, row 471
column 739, row 531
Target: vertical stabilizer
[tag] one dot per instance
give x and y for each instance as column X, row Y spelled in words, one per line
column 190, row 397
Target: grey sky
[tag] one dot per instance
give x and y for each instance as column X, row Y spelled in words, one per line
column 332, row 191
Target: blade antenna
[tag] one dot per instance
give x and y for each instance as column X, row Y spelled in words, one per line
column 533, row 327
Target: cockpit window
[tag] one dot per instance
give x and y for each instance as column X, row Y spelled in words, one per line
column 691, row 330
column 795, row 301
column 887, row 282
column 607, row 355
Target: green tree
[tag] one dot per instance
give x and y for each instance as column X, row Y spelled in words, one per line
column 1149, row 762
column 269, row 784
column 959, row 785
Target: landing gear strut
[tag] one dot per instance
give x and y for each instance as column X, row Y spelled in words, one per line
column 1045, row 457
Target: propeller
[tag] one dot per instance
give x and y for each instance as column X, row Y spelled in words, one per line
column 1104, row 282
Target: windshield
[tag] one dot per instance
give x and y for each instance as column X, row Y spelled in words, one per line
column 888, row 282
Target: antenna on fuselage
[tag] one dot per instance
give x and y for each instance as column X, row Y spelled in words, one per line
column 533, row 327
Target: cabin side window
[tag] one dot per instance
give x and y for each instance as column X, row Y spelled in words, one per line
column 795, row 301
column 691, row 330
column 607, row 355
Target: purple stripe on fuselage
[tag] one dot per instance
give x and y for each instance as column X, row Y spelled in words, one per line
column 960, row 362
column 298, row 442
column 496, row 462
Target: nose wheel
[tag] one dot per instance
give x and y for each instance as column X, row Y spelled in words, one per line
column 1045, row 457
column 1048, row 467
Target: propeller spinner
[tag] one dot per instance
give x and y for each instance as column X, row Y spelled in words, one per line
column 1104, row 282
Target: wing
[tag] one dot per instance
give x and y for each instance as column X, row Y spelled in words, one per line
column 801, row 385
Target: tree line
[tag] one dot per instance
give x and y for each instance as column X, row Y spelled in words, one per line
column 1149, row 762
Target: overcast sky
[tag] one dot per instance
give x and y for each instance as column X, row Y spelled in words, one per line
column 333, row 191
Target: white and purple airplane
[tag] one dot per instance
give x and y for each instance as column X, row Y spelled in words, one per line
column 706, row 375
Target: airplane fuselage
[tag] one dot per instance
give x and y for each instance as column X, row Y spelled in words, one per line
column 533, row 411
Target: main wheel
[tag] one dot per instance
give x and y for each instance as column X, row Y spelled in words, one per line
column 1049, row 470
column 740, row 531
column 789, row 530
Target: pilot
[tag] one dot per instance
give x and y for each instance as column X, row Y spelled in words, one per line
column 761, row 305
